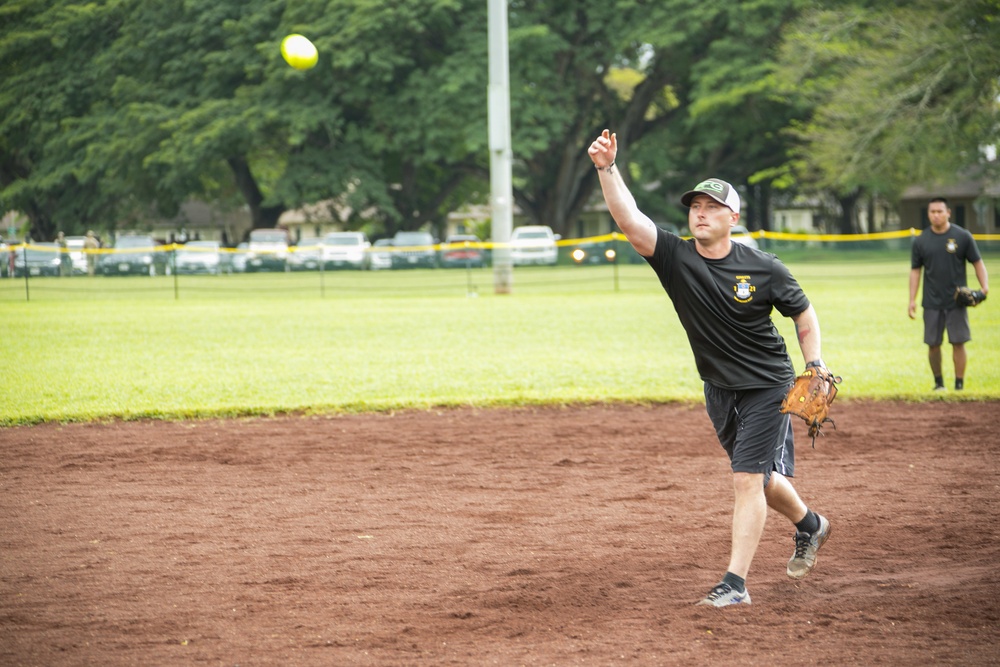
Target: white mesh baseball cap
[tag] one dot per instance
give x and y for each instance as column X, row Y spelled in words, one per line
column 718, row 190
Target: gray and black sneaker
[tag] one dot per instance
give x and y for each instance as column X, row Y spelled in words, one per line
column 724, row 595
column 806, row 546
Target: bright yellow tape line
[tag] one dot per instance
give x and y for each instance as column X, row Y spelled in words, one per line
column 603, row 238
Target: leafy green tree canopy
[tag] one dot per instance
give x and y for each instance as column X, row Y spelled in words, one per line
column 903, row 92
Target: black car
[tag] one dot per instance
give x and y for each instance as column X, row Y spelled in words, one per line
column 37, row 259
column 599, row 252
column 413, row 250
column 140, row 255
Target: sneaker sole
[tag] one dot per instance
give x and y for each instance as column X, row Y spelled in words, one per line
column 740, row 603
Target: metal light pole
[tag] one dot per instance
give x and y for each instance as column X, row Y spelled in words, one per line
column 501, row 194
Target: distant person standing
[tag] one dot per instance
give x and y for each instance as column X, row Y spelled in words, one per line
column 942, row 251
column 65, row 261
column 4, row 258
column 90, row 247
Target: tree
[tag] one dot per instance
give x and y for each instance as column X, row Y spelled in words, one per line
column 289, row 137
column 46, row 55
column 189, row 98
column 903, row 93
column 682, row 84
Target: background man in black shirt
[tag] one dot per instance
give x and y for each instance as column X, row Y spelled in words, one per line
column 724, row 293
column 941, row 251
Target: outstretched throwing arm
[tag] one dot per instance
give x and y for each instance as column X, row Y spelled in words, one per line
column 636, row 225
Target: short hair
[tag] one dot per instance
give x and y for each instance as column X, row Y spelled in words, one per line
column 939, row 199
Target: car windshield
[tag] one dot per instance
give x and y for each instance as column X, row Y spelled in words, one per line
column 264, row 236
column 462, row 239
column 413, row 238
column 383, row 243
column 199, row 247
column 135, row 242
column 342, row 240
column 309, row 243
column 532, row 235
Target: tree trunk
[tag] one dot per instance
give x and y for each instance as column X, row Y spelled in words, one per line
column 849, row 211
column 756, row 212
column 262, row 216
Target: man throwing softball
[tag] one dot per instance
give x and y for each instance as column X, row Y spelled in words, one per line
column 724, row 293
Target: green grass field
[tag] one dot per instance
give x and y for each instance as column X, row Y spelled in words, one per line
column 100, row 348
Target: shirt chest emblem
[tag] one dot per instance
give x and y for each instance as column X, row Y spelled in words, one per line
column 743, row 290
column 952, row 246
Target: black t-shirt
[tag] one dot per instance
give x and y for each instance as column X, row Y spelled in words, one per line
column 725, row 307
column 943, row 258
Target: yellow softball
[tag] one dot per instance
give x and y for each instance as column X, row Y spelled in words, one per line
column 299, row 52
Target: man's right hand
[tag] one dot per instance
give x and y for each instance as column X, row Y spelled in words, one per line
column 604, row 150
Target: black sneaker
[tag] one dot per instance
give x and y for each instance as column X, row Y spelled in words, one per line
column 724, row 595
column 806, row 546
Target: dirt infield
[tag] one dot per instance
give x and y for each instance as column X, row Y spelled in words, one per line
column 565, row 536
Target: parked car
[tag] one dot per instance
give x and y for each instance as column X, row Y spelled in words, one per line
column 413, row 250
column 462, row 251
column 346, row 250
column 137, row 254
column 77, row 258
column 602, row 252
column 238, row 258
column 306, row 255
column 199, row 257
column 380, row 256
column 267, row 250
column 37, row 259
column 740, row 234
column 533, row 244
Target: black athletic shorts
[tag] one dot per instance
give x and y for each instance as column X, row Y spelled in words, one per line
column 756, row 435
column 955, row 320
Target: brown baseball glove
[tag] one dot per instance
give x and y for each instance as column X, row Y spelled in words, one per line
column 967, row 298
column 810, row 398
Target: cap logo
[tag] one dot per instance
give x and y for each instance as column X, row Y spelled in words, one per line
column 710, row 185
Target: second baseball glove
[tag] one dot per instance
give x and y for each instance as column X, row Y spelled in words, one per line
column 967, row 298
column 810, row 398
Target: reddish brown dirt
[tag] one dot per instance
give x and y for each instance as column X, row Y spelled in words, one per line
column 511, row 537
